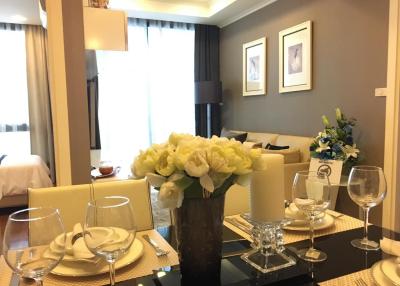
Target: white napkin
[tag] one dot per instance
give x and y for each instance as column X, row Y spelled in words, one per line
column 293, row 212
column 79, row 248
column 391, row 247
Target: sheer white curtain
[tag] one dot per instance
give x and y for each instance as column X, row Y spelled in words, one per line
column 147, row 92
column 14, row 113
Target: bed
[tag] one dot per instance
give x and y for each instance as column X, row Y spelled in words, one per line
column 17, row 174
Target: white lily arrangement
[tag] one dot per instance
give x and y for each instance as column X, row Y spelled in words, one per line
column 188, row 166
column 336, row 142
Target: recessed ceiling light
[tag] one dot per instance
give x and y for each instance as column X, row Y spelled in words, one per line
column 18, row 18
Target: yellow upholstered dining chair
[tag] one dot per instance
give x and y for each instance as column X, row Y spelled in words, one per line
column 138, row 192
column 237, row 200
column 70, row 200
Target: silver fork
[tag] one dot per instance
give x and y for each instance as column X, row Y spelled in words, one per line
column 159, row 250
column 15, row 278
column 360, row 282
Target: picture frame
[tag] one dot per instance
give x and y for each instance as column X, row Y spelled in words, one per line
column 295, row 58
column 254, row 67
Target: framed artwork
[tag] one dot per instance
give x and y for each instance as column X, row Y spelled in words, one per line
column 254, row 64
column 295, row 57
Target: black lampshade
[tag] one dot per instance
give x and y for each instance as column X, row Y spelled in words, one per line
column 207, row 92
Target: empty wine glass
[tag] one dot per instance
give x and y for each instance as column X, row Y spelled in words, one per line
column 367, row 188
column 109, row 230
column 28, row 244
column 311, row 194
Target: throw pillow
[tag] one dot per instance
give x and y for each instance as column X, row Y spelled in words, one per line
column 274, row 147
column 291, row 155
column 250, row 144
column 239, row 136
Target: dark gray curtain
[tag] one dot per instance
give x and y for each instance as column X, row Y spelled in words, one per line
column 92, row 91
column 206, row 65
column 93, row 105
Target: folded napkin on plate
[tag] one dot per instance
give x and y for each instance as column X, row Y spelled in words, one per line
column 77, row 243
column 300, row 218
column 391, row 247
column 293, row 212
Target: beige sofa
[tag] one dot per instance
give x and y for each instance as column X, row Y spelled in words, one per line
column 301, row 143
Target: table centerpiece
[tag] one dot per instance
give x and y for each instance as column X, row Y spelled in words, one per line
column 336, row 142
column 192, row 175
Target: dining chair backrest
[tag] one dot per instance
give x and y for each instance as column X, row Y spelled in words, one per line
column 138, row 192
column 237, row 200
column 70, row 200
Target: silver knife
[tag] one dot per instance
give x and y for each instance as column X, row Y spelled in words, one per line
column 239, row 225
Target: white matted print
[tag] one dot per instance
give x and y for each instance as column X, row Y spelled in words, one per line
column 254, row 63
column 295, row 56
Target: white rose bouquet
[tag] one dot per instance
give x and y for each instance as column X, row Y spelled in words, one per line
column 195, row 167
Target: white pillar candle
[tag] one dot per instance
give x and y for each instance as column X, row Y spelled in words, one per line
column 267, row 191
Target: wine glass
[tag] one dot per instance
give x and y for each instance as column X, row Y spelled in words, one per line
column 367, row 188
column 29, row 242
column 311, row 194
column 109, row 229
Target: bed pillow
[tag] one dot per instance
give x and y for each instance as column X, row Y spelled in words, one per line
column 239, row 136
column 291, row 155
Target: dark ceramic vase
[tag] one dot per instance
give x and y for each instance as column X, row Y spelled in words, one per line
column 199, row 239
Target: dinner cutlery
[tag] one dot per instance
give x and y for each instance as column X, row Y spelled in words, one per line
column 158, row 249
column 237, row 223
column 14, row 281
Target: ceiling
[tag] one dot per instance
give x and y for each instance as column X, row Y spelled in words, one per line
column 213, row 12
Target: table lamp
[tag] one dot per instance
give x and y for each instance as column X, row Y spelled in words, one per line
column 208, row 93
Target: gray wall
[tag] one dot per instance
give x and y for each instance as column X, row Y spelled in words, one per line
column 349, row 62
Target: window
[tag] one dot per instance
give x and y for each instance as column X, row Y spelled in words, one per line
column 147, row 92
column 14, row 113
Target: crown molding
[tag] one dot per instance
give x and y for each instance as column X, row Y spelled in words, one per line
column 227, row 21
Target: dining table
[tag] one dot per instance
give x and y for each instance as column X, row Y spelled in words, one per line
column 345, row 265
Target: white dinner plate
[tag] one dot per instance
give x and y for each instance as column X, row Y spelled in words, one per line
column 377, row 275
column 75, row 269
column 391, row 270
column 326, row 222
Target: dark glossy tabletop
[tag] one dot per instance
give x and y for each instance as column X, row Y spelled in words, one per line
column 343, row 259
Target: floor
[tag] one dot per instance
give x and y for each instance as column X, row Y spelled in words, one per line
column 4, row 213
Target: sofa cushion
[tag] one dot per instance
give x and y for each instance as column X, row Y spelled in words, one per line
column 302, row 143
column 237, row 135
column 250, row 145
column 264, row 138
column 275, row 147
column 291, row 155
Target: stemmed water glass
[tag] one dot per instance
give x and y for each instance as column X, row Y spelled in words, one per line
column 367, row 188
column 109, row 229
column 28, row 244
column 311, row 194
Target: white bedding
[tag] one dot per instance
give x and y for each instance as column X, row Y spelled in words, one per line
column 17, row 174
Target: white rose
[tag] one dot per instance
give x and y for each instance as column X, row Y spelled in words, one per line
column 176, row 138
column 186, row 148
column 145, row 162
column 165, row 165
column 217, row 160
column 239, row 158
column 196, row 165
column 170, row 196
